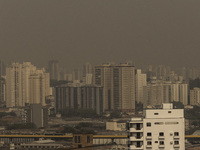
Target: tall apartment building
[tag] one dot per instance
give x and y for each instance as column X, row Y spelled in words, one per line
column 2, row 91
column 183, row 93
column 156, row 94
column 153, row 95
column 159, row 129
column 37, row 114
column 85, row 96
column 140, row 82
column 77, row 75
column 53, row 69
column 87, row 69
column 119, row 86
column 2, row 68
column 195, row 96
column 20, row 85
column 39, row 87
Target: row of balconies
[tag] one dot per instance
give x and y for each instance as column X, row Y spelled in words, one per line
column 139, row 138
column 161, row 137
column 138, row 147
column 162, row 146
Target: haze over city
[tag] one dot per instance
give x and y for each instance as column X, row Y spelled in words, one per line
column 99, row 74
column 97, row 31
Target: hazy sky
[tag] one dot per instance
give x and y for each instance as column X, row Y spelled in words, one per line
column 97, row 31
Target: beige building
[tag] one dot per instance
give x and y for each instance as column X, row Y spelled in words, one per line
column 39, row 87
column 195, row 96
column 116, row 126
column 158, row 93
column 19, row 80
column 141, row 81
column 119, row 86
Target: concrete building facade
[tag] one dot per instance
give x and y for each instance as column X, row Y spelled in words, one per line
column 140, row 82
column 195, row 96
column 119, row 86
column 38, row 115
column 159, row 129
column 158, row 93
column 21, row 82
column 53, row 69
column 85, row 96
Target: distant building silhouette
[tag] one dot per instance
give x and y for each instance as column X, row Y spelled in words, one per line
column 53, row 69
column 2, row 91
column 2, row 68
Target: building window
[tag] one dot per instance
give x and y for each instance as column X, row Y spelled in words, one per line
column 148, row 124
column 176, row 142
column 156, row 141
column 77, row 139
column 169, row 112
column 138, row 144
column 88, row 139
column 149, row 134
column 149, row 143
column 161, row 134
column 176, row 133
column 155, row 113
column 162, row 143
column 170, row 123
column 158, row 123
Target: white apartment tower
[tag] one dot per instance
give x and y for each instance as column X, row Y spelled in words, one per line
column 159, row 129
column 140, row 82
column 18, row 85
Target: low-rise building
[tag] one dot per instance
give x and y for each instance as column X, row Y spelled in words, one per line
column 116, row 126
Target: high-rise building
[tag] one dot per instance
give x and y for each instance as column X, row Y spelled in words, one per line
column 39, row 87
column 119, row 86
column 17, row 81
column 140, row 82
column 2, row 69
column 183, row 92
column 37, row 114
column 87, row 69
column 195, row 96
column 85, row 96
column 153, row 95
column 88, row 79
column 77, row 76
column 159, row 129
column 54, row 70
column 2, row 91
column 158, row 93
column 20, row 85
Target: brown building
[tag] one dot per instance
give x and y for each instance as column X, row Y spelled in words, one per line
column 38, row 115
column 82, row 140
